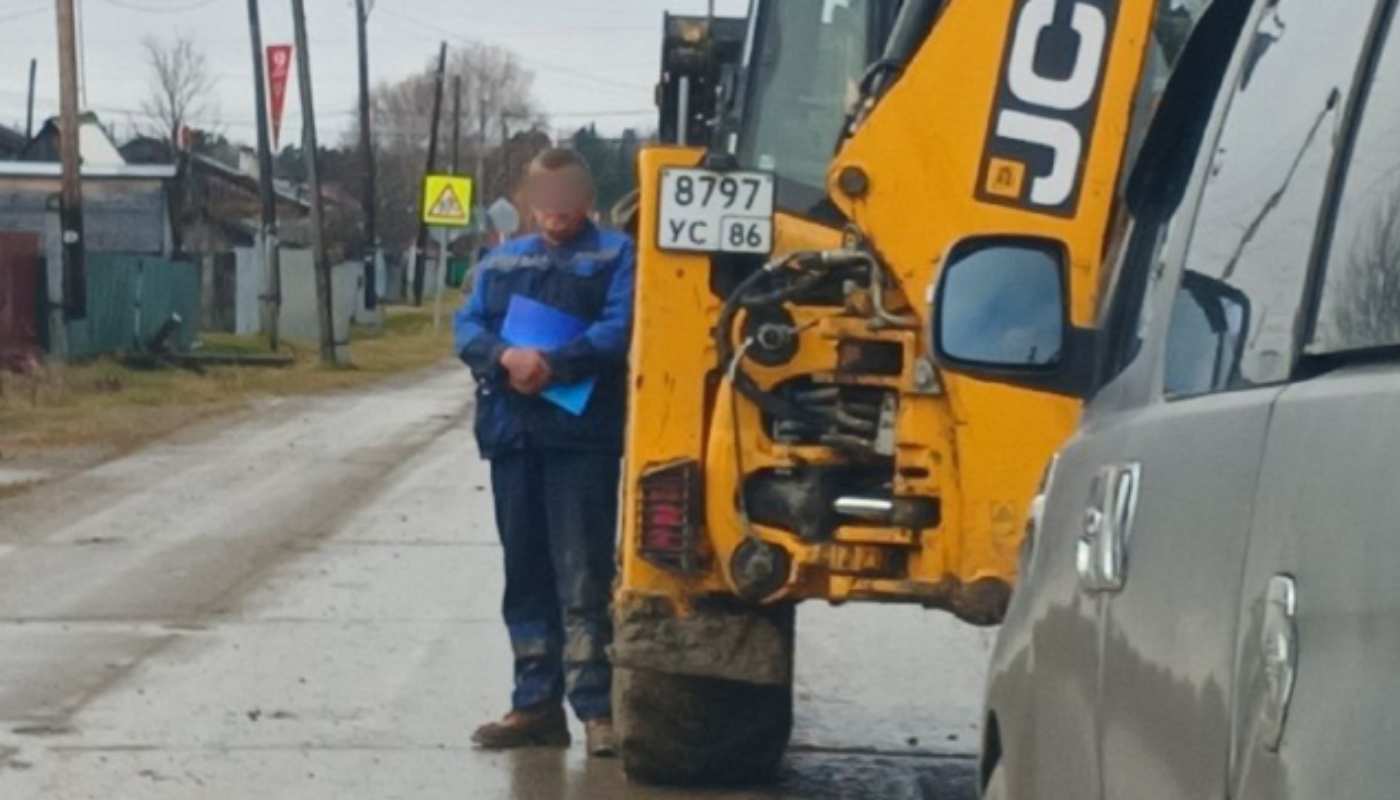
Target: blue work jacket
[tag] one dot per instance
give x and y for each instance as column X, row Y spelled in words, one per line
column 591, row 278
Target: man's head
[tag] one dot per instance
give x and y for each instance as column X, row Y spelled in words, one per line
column 559, row 187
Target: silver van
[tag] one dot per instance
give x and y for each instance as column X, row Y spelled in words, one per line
column 1209, row 598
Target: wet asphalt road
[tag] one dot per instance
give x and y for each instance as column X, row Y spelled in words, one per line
column 300, row 603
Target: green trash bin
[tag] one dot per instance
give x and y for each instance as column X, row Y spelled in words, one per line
column 457, row 270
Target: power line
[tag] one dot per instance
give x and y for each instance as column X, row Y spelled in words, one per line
column 290, row 115
column 635, row 112
column 179, row 9
column 220, row 121
column 198, row 119
column 543, row 66
column 27, row 13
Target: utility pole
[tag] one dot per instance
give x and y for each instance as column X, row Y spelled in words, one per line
column 82, row 52
column 29, row 115
column 308, row 146
column 371, row 252
column 479, row 178
column 71, row 207
column 421, row 256
column 507, row 186
column 456, row 122
column 478, row 186
column 267, row 237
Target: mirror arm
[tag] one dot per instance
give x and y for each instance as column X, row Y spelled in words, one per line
column 1081, row 351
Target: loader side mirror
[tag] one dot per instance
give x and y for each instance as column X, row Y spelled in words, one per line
column 1001, row 313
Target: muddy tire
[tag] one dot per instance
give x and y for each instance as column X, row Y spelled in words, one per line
column 684, row 730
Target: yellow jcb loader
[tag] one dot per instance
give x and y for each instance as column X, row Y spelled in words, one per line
column 789, row 436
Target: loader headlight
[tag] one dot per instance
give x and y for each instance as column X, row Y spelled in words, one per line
column 692, row 31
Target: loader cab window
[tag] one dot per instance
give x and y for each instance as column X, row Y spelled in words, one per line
column 803, row 71
column 1176, row 19
column 1172, row 27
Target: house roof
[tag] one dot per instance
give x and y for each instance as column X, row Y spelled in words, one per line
column 11, row 141
column 248, row 182
column 146, row 150
column 53, row 169
column 94, row 144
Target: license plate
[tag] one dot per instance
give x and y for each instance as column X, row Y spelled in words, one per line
column 716, row 212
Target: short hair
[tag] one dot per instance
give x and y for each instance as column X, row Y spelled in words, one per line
column 553, row 159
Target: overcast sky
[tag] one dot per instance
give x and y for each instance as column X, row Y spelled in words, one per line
column 592, row 59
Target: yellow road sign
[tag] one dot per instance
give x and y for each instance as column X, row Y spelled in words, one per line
column 447, row 200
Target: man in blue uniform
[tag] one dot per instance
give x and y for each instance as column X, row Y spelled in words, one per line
column 554, row 469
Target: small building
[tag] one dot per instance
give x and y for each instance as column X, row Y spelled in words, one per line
column 220, row 224
column 126, row 207
column 133, row 285
column 225, row 207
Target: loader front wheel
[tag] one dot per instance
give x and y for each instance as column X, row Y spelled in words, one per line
column 686, row 730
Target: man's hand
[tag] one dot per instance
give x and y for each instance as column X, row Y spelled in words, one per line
column 529, row 371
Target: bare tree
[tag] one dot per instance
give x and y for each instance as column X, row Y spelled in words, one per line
column 497, row 100
column 1365, row 303
column 400, row 113
column 497, row 88
column 180, row 87
column 179, row 92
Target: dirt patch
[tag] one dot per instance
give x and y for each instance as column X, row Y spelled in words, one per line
column 64, row 417
column 22, row 471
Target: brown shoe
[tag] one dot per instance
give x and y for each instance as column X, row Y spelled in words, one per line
column 534, row 727
column 602, row 741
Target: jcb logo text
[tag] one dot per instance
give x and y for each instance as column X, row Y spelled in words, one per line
column 1047, row 101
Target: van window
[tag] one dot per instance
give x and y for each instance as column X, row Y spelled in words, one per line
column 1155, row 188
column 1360, row 304
column 1248, row 259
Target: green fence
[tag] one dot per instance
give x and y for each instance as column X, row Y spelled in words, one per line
column 128, row 299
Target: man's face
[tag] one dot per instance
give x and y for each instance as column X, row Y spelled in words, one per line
column 561, row 201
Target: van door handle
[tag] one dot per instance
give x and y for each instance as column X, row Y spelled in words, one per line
column 1278, row 649
column 1101, row 555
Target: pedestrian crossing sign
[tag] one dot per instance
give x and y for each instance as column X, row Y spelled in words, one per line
column 447, row 200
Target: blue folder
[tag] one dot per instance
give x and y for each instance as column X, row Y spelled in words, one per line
column 530, row 323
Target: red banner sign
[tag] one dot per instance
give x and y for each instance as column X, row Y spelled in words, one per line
column 279, row 68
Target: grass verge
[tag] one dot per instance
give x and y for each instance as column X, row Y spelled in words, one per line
column 104, row 404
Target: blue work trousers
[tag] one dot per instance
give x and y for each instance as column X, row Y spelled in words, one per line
column 556, row 511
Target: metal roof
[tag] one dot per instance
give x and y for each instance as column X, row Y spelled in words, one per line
column 53, row 169
column 235, row 175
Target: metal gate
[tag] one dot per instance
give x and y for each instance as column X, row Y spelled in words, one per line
column 129, row 298
column 20, row 296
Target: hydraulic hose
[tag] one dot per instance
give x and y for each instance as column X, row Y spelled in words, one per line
column 819, row 266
